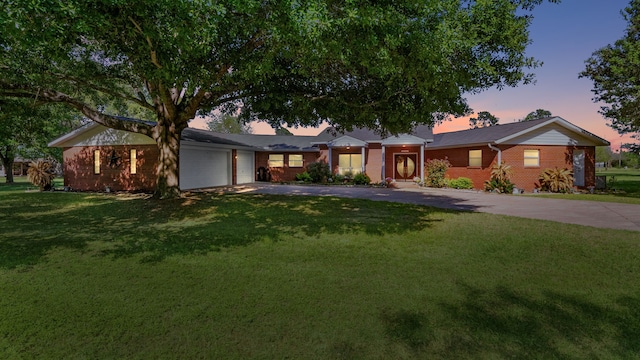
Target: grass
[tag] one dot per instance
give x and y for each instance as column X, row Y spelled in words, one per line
column 255, row 276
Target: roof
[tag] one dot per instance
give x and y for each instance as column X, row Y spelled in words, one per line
column 421, row 131
column 271, row 142
column 504, row 133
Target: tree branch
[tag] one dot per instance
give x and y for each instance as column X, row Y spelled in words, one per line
column 153, row 54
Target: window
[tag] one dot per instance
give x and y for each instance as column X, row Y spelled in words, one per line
column 96, row 161
column 349, row 163
column 475, row 158
column 276, row 160
column 532, row 158
column 133, row 158
column 296, row 160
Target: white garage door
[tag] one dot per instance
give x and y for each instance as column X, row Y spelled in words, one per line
column 203, row 168
column 245, row 167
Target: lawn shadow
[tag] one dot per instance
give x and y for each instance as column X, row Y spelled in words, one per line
column 505, row 323
column 128, row 225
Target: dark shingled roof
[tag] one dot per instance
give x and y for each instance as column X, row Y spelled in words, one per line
column 269, row 142
column 494, row 133
column 421, row 131
column 205, row 136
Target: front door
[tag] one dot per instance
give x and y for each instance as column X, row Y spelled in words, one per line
column 578, row 167
column 405, row 166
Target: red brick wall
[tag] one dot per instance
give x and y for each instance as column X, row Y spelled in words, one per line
column 285, row 173
column 79, row 171
column 523, row 177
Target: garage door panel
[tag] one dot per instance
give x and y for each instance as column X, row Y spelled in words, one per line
column 245, row 167
column 202, row 168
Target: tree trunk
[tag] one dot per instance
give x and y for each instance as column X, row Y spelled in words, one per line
column 8, row 157
column 167, row 137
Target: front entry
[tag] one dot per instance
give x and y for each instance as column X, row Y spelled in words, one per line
column 405, row 166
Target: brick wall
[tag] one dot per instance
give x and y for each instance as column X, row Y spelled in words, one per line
column 285, row 173
column 79, row 168
column 523, row 177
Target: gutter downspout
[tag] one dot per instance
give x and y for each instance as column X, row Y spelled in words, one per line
column 499, row 152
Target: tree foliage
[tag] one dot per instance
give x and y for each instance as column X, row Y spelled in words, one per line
column 484, row 119
column 537, row 114
column 615, row 72
column 228, row 124
column 383, row 65
column 26, row 127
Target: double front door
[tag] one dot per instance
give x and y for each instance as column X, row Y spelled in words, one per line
column 405, row 166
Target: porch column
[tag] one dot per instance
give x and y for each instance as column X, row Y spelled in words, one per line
column 363, row 162
column 330, row 162
column 422, row 163
column 383, row 163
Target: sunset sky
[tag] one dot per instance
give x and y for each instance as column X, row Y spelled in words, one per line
column 564, row 36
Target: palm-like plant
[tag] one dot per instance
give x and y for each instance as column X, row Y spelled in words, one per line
column 500, row 179
column 40, row 174
column 556, row 180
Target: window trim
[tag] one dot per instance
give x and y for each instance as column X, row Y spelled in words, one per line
column 537, row 158
column 133, row 161
column 280, row 161
column 475, row 161
column 296, row 163
column 96, row 162
column 353, row 169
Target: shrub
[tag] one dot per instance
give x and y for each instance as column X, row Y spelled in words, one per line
column 339, row 178
column 318, row 171
column 436, row 169
column 500, row 180
column 303, row 177
column 41, row 174
column 556, row 180
column 361, row 179
column 461, row 183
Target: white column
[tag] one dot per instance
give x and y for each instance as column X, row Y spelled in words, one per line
column 330, row 166
column 383, row 163
column 363, row 162
column 422, row 163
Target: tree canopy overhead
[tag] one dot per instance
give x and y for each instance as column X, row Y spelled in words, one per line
column 384, row 65
column 615, row 72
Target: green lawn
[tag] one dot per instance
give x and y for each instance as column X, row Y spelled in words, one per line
column 253, row 276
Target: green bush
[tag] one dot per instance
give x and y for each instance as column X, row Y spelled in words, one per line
column 319, row 171
column 361, row 179
column 436, row 169
column 303, row 177
column 461, row 183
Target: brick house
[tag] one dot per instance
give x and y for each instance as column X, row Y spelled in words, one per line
column 96, row 157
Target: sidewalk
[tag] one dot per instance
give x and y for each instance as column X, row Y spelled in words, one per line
column 588, row 213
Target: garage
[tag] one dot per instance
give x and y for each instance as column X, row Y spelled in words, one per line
column 203, row 167
column 245, row 167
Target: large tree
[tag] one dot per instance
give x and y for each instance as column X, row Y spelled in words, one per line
column 537, row 114
column 386, row 65
column 615, row 72
column 26, row 127
column 484, row 119
column 228, row 124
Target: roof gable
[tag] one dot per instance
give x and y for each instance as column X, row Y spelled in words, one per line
column 346, row 140
column 94, row 134
column 547, row 131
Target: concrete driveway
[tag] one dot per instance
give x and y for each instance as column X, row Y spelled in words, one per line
column 589, row 213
